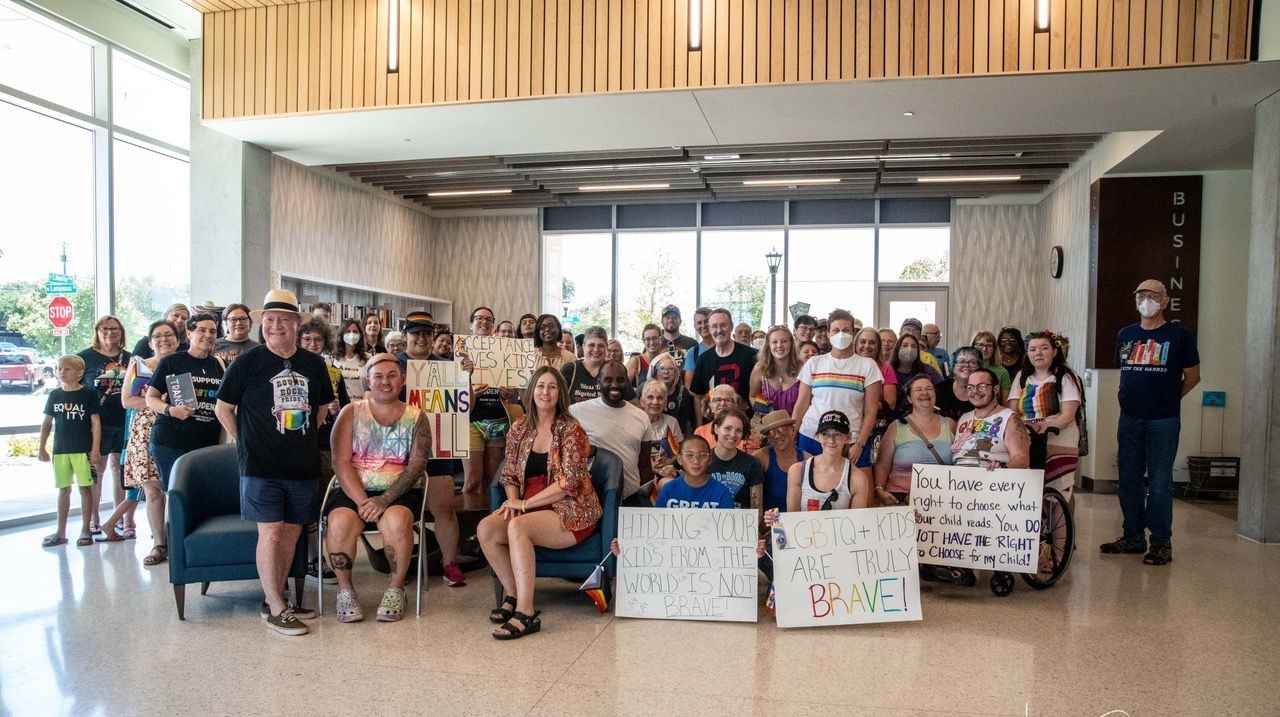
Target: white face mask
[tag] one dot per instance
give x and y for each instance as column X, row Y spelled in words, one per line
column 351, row 338
column 1148, row 308
column 841, row 340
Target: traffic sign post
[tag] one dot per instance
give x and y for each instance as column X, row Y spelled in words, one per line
column 61, row 314
column 60, row 285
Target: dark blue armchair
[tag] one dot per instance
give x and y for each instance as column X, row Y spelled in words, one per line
column 577, row 562
column 208, row 540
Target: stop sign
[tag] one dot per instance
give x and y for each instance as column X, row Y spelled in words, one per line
column 61, row 313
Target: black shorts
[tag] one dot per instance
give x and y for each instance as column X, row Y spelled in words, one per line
column 443, row 466
column 112, row 440
column 412, row 499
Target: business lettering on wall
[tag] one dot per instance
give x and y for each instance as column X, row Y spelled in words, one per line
column 1143, row 228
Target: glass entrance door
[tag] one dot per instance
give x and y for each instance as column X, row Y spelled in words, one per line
column 897, row 303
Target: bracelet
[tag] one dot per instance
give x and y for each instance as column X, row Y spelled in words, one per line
column 524, row 506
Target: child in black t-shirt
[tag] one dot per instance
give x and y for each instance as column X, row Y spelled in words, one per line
column 71, row 412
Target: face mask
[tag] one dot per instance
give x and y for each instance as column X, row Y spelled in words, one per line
column 757, row 344
column 908, row 355
column 1148, row 308
column 841, row 340
column 351, row 338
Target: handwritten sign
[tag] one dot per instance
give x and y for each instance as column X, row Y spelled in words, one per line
column 687, row 564
column 976, row 518
column 846, row 567
column 442, row 390
column 499, row 362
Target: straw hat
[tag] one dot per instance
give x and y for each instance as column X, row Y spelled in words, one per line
column 775, row 419
column 278, row 300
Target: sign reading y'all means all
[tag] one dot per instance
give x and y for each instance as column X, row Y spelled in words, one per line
column 978, row 518
column 687, row 564
column 499, row 362
column 442, row 390
column 846, row 567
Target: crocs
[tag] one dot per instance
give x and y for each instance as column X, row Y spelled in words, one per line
column 349, row 607
column 391, row 608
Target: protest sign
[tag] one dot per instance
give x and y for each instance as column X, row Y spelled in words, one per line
column 687, row 564
column 845, row 567
column 499, row 362
column 976, row 518
column 442, row 390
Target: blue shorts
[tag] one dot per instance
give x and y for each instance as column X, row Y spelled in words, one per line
column 813, row 448
column 271, row 500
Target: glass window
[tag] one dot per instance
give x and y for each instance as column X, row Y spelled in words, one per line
column 915, row 254
column 834, row 269
column 577, row 281
column 150, row 101
column 735, row 274
column 152, row 236
column 47, row 202
column 41, row 58
column 654, row 269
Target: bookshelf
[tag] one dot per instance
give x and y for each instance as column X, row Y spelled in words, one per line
column 353, row 301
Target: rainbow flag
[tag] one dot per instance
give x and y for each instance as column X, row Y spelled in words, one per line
column 593, row 586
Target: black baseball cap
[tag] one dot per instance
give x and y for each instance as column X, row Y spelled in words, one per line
column 671, row 309
column 834, row 420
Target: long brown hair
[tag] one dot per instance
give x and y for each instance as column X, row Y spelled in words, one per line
column 562, row 397
column 769, row 366
column 97, row 344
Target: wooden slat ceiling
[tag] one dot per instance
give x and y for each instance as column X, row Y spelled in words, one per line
column 887, row 168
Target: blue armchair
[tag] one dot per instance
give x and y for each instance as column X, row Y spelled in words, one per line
column 577, row 562
column 208, row 540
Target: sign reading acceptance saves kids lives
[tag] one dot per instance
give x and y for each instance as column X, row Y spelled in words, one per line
column 499, row 362
column 846, row 567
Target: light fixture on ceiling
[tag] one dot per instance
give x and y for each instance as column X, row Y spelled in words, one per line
column 720, row 157
column 468, row 192
column 622, row 187
column 908, row 113
column 794, row 181
column 970, row 178
column 912, row 157
column 695, row 25
column 393, row 36
column 1042, row 15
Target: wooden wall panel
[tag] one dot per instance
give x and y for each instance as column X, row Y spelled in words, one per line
column 276, row 57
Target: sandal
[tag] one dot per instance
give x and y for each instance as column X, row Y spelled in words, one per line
column 129, row 533
column 349, row 607
column 84, row 539
column 52, row 540
column 499, row 615
column 532, row 623
column 158, row 554
column 109, row 536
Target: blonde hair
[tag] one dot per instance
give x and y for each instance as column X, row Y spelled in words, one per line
column 97, row 343
column 72, row 360
column 769, row 366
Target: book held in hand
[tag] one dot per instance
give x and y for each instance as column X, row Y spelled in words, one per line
column 182, row 391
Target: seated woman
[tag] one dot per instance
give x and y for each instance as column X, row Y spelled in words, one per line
column 1047, row 394
column 731, row 464
column 667, row 371
column 918, row 436
column 664, row 436
column 380, row 447
column 551, row 501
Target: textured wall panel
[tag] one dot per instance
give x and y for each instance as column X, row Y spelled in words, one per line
column 1063, row 304
column 995, row 270
column 487, row 260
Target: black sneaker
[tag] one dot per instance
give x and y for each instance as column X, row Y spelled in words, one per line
column 304, row 613
column 313, row 574
column 1124, row 546
column 287, row 623
column 1160, row 554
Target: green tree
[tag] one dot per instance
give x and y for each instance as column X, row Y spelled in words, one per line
column 926, row 269
column 744, row 295
column 24, row 308
column 653, row 290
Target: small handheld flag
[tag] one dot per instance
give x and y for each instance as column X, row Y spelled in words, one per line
column 593, row 586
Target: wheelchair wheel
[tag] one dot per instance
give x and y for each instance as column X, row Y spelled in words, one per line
column 1057, row 540
column 1002, row 584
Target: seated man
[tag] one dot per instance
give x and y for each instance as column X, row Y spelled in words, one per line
column 620, row 427
column 380, row 448
column 721, row 399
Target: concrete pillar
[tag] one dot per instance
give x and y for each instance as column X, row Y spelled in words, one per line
column 230, row 211
column 1259, row 507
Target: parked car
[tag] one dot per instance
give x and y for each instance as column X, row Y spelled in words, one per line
column 17, row 369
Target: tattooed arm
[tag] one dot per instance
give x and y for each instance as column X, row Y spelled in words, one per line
column 414, row 469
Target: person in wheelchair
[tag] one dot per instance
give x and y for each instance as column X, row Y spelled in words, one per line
column 380, row 447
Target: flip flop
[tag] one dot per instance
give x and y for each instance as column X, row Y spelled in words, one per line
column 84, row 540
column 110, row 536
column 52, row 541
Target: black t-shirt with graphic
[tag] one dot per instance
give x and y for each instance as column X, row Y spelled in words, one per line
column 72, row 413
column 1151, row 364
column 229, row 350
column 678, row 346
column 201, row 428
column 277, row 401
column 105, row 374
column 739, row 474
column 584, row 387
column 713, row 369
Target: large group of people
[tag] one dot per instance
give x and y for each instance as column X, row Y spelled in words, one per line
column 825, row 414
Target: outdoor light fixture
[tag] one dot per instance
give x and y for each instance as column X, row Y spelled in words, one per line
column 973, row 178
column 774, row 260
column 790, row 182
column 393, row 36
column 695, row 25
column 467, row 192
column 621, row 187
column 1042, row 15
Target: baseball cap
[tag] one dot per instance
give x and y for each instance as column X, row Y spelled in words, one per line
column 914, row 322
column 671, row 309
column 1152, row 285
column 834, row 420
column 417, row 321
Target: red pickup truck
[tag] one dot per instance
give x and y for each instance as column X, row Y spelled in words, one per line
column 17, row 369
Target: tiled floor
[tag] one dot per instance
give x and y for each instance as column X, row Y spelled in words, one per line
column 89, row 631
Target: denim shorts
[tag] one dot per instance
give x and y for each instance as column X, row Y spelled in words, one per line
column 271, row 500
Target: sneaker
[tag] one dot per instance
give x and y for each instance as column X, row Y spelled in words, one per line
column 453, row 576
column 302, row 613
column 1124, row 546
column 1160, row 554
column 313, row 574
column 287, row 623
column 391, row 609
column 349, row 607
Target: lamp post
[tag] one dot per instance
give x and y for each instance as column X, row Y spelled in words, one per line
column 774, row 259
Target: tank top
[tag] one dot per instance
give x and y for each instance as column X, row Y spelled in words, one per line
column 909, row 449
column 775, row 482
column 780, row 399
column 839, row 498
column 379, row 453
column 979, row 439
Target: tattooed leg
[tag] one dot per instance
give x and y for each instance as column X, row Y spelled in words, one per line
column 340, row 543
column 396, row 525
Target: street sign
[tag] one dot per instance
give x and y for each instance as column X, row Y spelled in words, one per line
column 59, row 284
column 798, row 309
column 61, row 312
column 63, row 332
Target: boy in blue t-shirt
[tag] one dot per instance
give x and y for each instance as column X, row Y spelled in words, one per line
column 71, row 412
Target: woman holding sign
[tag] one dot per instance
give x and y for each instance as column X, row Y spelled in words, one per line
column 489, row 419
column 551, row 501
column 918, row 436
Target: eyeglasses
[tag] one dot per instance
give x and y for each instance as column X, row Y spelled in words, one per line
column 483, row 319
column 238, row 320
column 696, row 456
column 968, row 362
column 978, row 387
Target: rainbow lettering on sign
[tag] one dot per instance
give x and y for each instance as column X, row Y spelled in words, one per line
column 883, row 595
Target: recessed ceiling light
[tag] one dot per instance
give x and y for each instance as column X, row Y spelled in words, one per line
column 910, row 157
column 621, row 187
column 908, row 113
column 790, row 182
column 715, row 157
column 467, row 192
column 973, row 178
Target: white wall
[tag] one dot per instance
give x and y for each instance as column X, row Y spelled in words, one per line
column 1269, row 31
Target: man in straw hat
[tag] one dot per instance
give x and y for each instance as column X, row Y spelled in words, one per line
column 272, row 401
